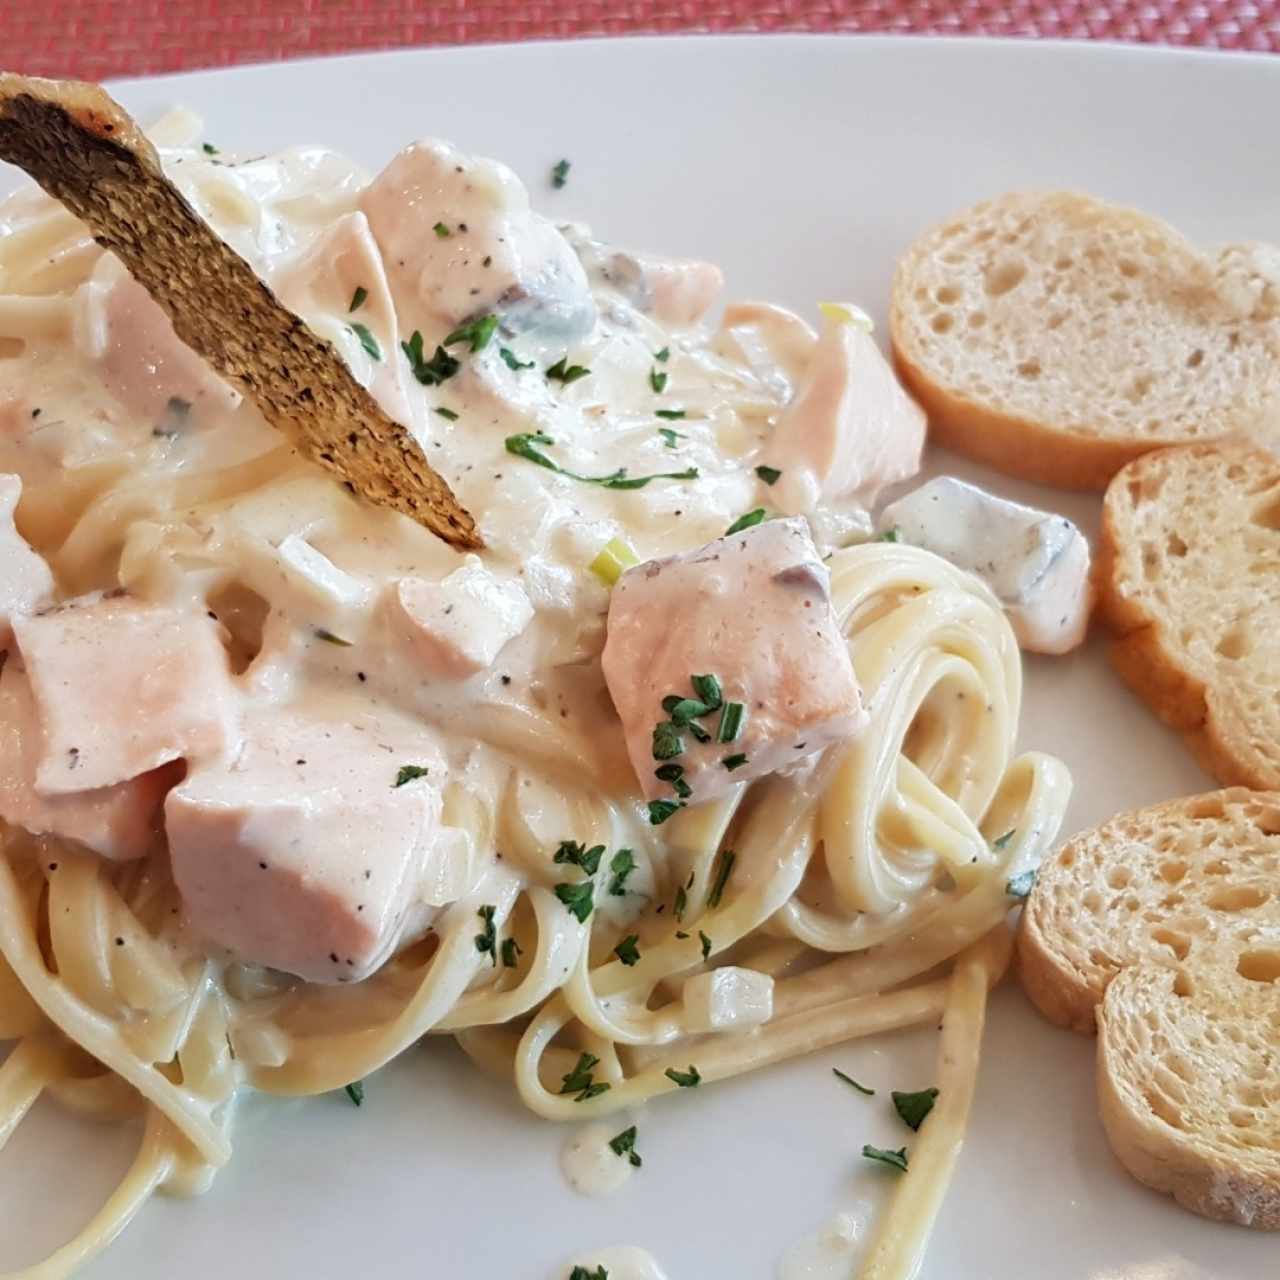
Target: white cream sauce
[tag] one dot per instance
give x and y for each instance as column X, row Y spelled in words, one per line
column 833, row 1251
column 590, row 1165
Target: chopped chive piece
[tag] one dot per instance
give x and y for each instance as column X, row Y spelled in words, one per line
column 708, row 689
column 894, row 1159
column 357, row 298
column 671, row 702
column 512, row 361
column 745, row 522
column 658, row 379
column 625, row 1145
column 730, row 722
column 429, row 372
column 580, row 1079
column 579, row 855
column 615, row 558
column 667, row 742
column 447, row 414
column 768, row 474
column 559, row 174
column 698, row 731
column 1019, row 886
column 861, row 1088
column 727, row 859
column 487, row 940
column 706, row 944
column 682, row 789
column 409, row 773
column 688, row 709
column 442, row 231
column 622, row 865
column 476, row 333
column 355, row 1091
column 735, row 761
column 664, row 355
column 669, row 437
column 510, row 950
column 671, row 415
column 914, row 1107
column 323, row 633
column 627, row 951
column 578, row 898
column 685, row 1079
column 565, row 373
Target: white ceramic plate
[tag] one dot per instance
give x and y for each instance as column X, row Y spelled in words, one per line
column 804, row 165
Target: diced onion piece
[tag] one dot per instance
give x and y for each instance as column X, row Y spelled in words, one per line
column 613, row 561
column 847, row 312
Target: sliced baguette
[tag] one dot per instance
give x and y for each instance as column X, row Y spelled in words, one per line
column 1057, row 337
column 1189, row 577
column 1161, row 930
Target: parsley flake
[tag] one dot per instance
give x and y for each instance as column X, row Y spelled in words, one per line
column 581, row 1273
column 671, row 415
column 526, row 445
column 355, row 1091
column 358, row 298
column 658, row 380
column 578, row 898
column 727, row 859
column 566, row 373
column 914, row 1107
column 890, row 535
column 487, row 940
column 685, row 1079
column 431, row 373
column 367, row 340
column 209, row 149
column 706, row 944
column 669, row 437
column 627, row 951
column 622, row 865
column 512, row 361
column 745, row 522
column 475, row 332
column 559, row 174
column 447, row 414
column 442, row 231
column 625, row 1145
column 661, row 810
column 769, row 475
column 667, row 742
column 410, row 773
column 735, row 761
column 681, row 904
column 323, row 633
column 894, row 1159
column 580, row 1079
column 579, row 855
column 510, row 950
column 664, row 355
column 861, row 1088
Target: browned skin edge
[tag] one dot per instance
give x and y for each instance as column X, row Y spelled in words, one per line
column 86, row 152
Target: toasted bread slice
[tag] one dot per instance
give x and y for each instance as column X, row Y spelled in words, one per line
column 1161, row 930
column 1057, row 337
column 1189, row 576
column 85, row 151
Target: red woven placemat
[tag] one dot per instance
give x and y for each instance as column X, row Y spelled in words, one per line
column 94, row 40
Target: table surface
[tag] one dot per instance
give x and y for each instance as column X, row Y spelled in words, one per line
column 95, row 39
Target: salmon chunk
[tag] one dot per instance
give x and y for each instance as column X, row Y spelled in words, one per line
column 121, row 687
column 25, row 581
column 727, row 663
column 305, row 852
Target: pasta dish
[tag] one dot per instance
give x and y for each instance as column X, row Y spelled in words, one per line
column 696, row 765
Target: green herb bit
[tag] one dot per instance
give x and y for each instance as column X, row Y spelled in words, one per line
column 669, row 437
column 664, row 355
column 512, row 361
column 735, row 761
column 410, row 773
column 429, row 372
column 579, row 855
column 661, row 810
column 566, row 373
column 671, row 415
column 442, row 231
column 578, row 898
column 209, row 149
column 627, row 951
column 476, row 333
column 698, row 731
column 447, row 414
column 669, row 772
column 769, row 475
column 581, row 1273
column 745, row 522
column 510, row 950
column 861, row 1088
column 687, row 709
column 685, row 1079
column 625, row 1145
column 708, row 689
column 1000, row 841
column 622, row 865
column 658, row 380
column 358, row 298
column 1020, row 886
column 559, row 174
column 580, row 1080
column 706, row 944
column 355, row 1091
column 890, row 535
column 487, row 939
column 731, row 719
column 323, row 633
column 681, row 904
column 525, row 446
column 914, row 1107
column 667, row 742
column 367, row 340
column 727, row 859
column 894, row 1159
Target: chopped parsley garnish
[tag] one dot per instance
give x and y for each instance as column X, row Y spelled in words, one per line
column 357, row 298
column 209, row 149
column 622, row 865
column 735, row 761
column 1000, row 841
column 861, row 1088
column 367, row 340
column 669, row 437
column 661, row 810
column 410, row 773
column 674, row 774
column 579, row 855
column 525, row 446
column 731, row 722
column 431, row 373
column 580, row 1080
column 706, row 944
column 727, row 859
column 914, row 1107
column 1019, row 886
column 708, row 689
column 487, row 939
column 685, row 1079
column 745, row 521
column 658, row 379
column 442, row 231
column 627, row 951
column 680, row 933
column 667, row 742
column 512, row 361
column 768, row 474
column 476, row 332
column 446, row 413
column 566, row 373
column 671, row 415
column 559, row 173
column 664, row 355
column 323, row 633
column 581, row 1273
column 890, row 535
column 894, row 1159
column 355, row 1091
column 625, row 1145
column 510, row 950
column 579, row 898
